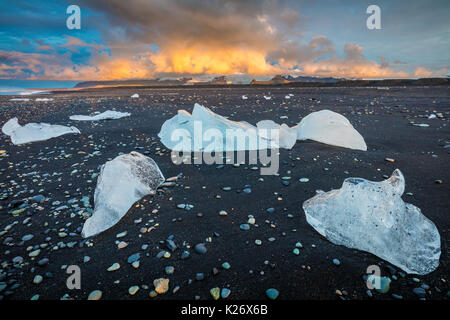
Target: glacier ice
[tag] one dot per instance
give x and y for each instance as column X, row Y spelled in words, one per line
column 330, row 128
column 371, row 216
column 184, row 131
column 177, row 133
column 32, row 132
column 109, row 114
column 122, row 181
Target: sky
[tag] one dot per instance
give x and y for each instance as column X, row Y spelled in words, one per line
column 144, row 39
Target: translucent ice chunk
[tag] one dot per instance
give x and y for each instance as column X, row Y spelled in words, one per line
column 330, row 128
column 286, row 136
column 371, row 216
column 109, row 114
column 34, row 131
column 211, row 132
column 122, row 181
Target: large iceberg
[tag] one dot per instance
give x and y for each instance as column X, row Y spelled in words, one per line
column 206, row 131
column 371, row 216
column 109, row 114
column 32, row 132
column 330, row 128
column 122, row 181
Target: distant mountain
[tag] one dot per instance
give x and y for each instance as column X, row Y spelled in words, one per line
column 278, row 79
column 311, row 79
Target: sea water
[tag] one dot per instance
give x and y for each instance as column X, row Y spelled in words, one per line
column 27, row 87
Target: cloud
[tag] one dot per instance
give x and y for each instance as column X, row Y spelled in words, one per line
column 421, row 72
column 158, row 38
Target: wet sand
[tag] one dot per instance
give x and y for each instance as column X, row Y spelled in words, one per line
column 383, row 117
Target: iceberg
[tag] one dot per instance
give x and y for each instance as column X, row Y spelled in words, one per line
column 32, row 132
column 188, row 133
column 330, row 128
column 122, row 181
column 109, row 114
column 371, row 216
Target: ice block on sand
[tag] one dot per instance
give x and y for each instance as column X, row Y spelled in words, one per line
column 32, row 132
column 109, row 114
column 122, row 181
column 371, row 216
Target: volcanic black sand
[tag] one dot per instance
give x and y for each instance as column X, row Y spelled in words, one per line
column 61, row 169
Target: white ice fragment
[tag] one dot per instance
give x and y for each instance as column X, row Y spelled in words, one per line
column 43, row 99
column 330, row 128
column 32, row 132
column 267, row 97
column 211, row 131
column 19, row 99
column 109, row 114
column 244, row 97
column 432, row 116
column 135, row 95
column 122, row 181
column 371, row 216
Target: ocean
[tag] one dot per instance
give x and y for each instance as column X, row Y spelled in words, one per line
column 25, row 87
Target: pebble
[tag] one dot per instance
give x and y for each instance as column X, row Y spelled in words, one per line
column 258, row 242
column 43, row 262
column 303, row 180
column 122, row 244
column 225, row 293
column 134, row 257
column 272, row 294
column 38, row 279
column 420, row 292
column 35, row 253
column 296, row 251
column 121, row 235
column 114, row 267
column 336, row 262
column 226, row 265
column 161, row 285
column 199, row 276
column 17, row 260
column 132, row 290
column 95, row 295
column 27, row 237
column 185, row 255
column 244, row 226
column 215, row 293
column 152, row 294
column 200, row 248
column 169, row 270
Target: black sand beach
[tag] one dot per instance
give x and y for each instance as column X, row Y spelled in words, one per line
column 383, row 117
